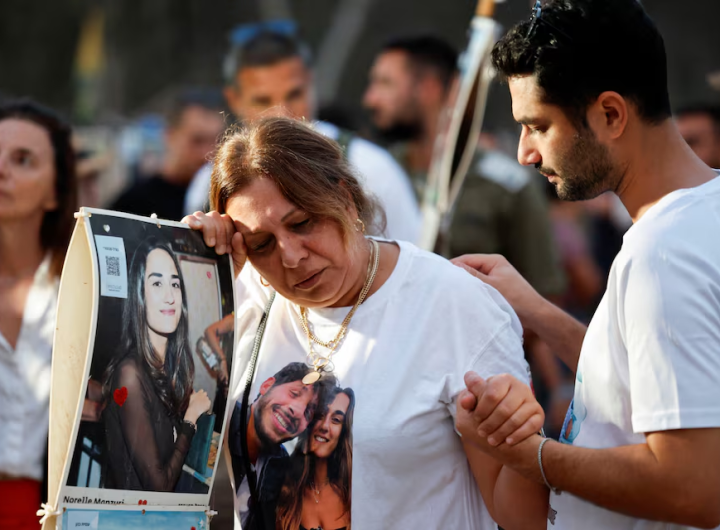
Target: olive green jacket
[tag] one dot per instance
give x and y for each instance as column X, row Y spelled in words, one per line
column 501, row 209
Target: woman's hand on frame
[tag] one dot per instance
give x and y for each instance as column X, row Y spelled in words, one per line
column 219, row 232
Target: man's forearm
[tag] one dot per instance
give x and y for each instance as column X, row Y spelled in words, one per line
column 627, row 479
column 561, row 332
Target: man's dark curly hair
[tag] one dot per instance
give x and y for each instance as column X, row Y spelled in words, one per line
column 579, row 49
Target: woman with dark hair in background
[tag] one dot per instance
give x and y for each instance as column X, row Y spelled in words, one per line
column 316, row 493
column 151, row 410
column 37, row 201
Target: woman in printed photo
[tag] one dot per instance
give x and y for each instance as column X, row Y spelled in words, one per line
column 316, row 493
column 151, row 410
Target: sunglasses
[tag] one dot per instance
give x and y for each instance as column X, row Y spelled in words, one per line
column 244, row 33
column 536, row 18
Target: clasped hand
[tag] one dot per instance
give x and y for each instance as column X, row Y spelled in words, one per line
column 498, row 410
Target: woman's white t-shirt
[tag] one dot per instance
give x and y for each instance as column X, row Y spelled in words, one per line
column 650, row 360
column 405, row 355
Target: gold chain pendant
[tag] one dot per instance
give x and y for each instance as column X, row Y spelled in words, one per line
column 311, row 378
column 318, row 362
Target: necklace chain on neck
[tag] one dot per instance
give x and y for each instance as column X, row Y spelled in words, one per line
column 321, row 362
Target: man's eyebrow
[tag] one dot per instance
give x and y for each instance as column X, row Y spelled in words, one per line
column 261, row 100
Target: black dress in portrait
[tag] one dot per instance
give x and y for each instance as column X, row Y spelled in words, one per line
column 146, row 446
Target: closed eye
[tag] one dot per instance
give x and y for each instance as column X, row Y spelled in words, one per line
column 260, row 246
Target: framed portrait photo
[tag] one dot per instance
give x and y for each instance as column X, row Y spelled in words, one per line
column 142, row 363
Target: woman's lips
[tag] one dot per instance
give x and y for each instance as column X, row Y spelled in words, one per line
column 168, row 312
column 310, row 282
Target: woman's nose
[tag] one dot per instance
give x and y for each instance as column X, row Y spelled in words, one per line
column 291, row 252
column 169, row 295
column 324, row 425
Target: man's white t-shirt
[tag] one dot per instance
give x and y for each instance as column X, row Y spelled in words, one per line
column 381, row 175
column 405, row 355
column 650, row 360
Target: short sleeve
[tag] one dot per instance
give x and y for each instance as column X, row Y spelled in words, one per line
column 669, row 304
column 486, row 335
column 503, row 355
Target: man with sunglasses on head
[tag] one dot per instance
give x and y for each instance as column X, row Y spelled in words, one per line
column 640, row 448
column 268, row 71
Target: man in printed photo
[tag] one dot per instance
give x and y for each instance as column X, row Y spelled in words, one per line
column 283, row 409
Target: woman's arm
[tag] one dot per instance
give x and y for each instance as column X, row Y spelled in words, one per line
column 138, row 430
column 514, row 502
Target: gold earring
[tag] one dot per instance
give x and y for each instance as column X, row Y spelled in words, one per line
column 264, row 282
column 360, row 226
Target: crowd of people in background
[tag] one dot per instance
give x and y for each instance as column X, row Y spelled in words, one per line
column 563, row 249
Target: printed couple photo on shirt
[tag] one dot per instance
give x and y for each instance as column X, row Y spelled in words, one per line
column 154, row 406
column 299, row 450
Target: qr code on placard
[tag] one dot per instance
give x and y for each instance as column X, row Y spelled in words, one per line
column 112, row 265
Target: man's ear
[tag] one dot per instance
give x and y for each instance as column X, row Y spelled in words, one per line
column 267, row 385
column 231, row 93
column 608, row 116
column 429, row 90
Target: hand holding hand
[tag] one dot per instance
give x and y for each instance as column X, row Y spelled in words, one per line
column 499, row 409
column 199, row 404
column 496, row 271
column 219, row 231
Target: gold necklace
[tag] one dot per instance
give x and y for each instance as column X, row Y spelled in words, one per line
column 319, row 362
column 316, row 491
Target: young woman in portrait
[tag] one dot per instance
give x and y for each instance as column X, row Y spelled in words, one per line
column 150, row 426
column 316, row 493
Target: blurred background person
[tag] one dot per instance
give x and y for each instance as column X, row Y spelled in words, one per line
column 37, row 201
column 194, row 125
column 268, row 71
column 699, row 125
column 501, row 208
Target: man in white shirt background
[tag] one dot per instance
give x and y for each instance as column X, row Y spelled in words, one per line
column 268, row 71
column 640, row 448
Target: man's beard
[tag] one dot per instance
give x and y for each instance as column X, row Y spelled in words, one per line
column 400, row 132
column 584, row 171
column 265, row 439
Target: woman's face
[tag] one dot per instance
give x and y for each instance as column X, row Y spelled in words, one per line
column 327, row 429
column 304, row 258
column 27, row 170
column 163, row 296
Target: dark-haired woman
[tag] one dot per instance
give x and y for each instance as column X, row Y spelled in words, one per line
column 37, row 201
column 150, row 427
column 317, row 489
